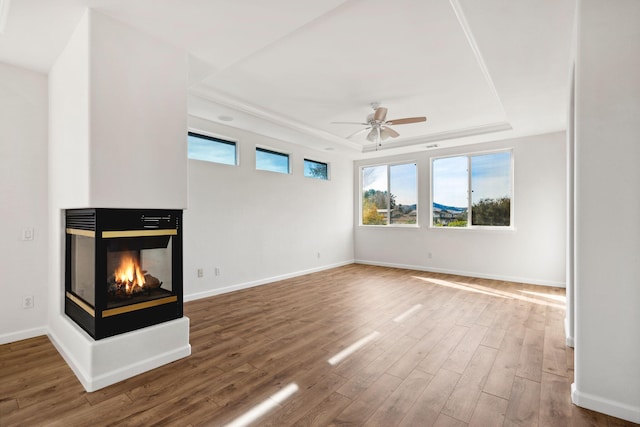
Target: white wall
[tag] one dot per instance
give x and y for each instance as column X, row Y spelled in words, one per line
column 68, row 156
column 259, row 226
column 534, row 252
column 607, row 252
column 138, row 119
column 23, row 194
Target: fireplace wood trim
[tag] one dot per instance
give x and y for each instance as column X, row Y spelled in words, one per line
column 138, row 233
column 83, row 305
column 85, row 233
column 139, row 306
column 124, row 309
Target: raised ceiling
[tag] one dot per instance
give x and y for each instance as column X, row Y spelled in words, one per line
column 479, row 70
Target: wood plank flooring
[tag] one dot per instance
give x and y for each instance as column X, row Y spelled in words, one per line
column 428, row 349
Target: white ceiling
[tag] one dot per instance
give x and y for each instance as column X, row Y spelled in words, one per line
column 479, row 70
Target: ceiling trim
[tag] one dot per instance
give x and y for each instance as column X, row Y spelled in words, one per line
column 4, row 13
column 457, row 9
column 441, row 136
column 227, row 101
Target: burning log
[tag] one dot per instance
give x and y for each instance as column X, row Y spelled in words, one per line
column 151, row 282
column 125, row 289
column 129, row 279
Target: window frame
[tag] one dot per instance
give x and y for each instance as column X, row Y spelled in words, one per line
column 326, row 164
column 272, row 151
column 470, row 226
column 389, row 224
column 196, row 133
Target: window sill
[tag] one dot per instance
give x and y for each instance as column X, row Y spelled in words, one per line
column 477, row 228
column 393, row 226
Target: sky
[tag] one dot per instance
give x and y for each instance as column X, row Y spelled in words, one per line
column 403, row 181
column 490, row 176
column 270, row 161
column 211, row 151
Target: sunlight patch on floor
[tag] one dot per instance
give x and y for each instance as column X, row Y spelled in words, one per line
column 267, row 405
column 468, row 288
column 339, row 357
column 559, row 298
column 407, row 313
column 496, row 292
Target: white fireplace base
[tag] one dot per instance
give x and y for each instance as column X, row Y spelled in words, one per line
column 98, row 364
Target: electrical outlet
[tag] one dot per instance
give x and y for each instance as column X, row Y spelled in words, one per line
column 27, row 234
column 27, row 302
column 429, row 255
column 217, row 270
column 318, row 255
column 200, row 272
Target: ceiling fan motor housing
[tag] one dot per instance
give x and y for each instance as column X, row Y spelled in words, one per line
column 378, row 125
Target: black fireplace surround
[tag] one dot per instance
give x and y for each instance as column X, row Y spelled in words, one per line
column 123, row 268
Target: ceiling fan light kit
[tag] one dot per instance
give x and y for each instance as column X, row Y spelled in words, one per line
column 378, row 125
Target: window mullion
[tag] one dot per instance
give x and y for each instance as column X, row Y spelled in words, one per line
column 469, row 192
column 388, row 195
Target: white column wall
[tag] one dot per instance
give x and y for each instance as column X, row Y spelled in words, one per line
column 607, row 252
column 138, row 119
column 117, row 139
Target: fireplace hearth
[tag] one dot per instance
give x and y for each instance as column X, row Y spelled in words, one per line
column 123, row 269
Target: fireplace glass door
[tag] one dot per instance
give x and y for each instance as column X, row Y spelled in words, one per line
column 138, row 269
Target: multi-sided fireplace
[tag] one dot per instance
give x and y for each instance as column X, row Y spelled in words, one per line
column 123, row 268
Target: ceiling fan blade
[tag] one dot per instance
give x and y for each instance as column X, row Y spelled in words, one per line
column 384, row 134
column 390, row 132
column 372, row 136
column 349, row 123
column 406, row 120
column 358, row 132
column 380, row 115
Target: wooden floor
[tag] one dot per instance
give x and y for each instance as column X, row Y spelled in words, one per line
column 433, row 350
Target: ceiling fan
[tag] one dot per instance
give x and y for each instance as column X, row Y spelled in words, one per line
column 378, row 125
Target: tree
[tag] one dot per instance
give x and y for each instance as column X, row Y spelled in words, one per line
column 492, row 212
column 379, row 198
column 370, row 214
column 318, row 171
column 375, row 200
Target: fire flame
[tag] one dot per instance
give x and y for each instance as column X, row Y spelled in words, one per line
column 129, row 274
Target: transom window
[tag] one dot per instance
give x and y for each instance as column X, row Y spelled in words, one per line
column 273, row 161
column 211, row 149
column 318, row 170
column 389, row 194
column 479, row 184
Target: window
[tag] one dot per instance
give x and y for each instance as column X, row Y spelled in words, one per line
column 273, row 161
column 490, row 179
column 389, row 194
column 210, row 149
column 318, row 170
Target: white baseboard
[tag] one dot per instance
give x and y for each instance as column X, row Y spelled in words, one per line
column 23, row 335
column 526, row 280
column 98, row 364
column 606, row 406
column 570, row 341
column 246, row 285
